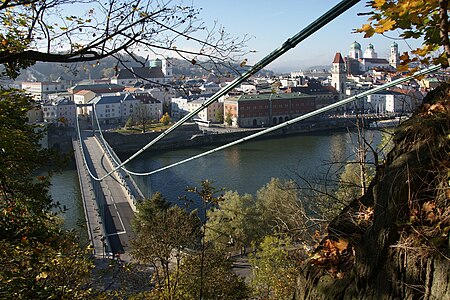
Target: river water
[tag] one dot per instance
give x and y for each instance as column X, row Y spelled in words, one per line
column 244, row 168
column 248, row 166
column 65, row 189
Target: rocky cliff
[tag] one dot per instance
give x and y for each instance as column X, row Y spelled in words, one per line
column 393, row 243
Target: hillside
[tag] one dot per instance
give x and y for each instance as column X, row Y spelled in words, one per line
column 393, row 243
column 105, row 68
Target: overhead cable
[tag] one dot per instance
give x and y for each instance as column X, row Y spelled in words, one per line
column 290, row 43
column 298, row 119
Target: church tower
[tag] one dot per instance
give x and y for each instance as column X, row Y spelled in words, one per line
column 355, row 51
column 167, row 67
column 370, row 52
column 338, row 75
column 394, row 57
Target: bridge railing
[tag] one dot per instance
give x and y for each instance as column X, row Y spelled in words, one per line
column 94, row 225
column 132, row 190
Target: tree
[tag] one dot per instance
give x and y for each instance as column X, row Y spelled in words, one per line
column 219, row 280
column 130, row 122
column 274, row 269
column 414, row 19
column 280, row 208
column 219, row 117
column 165, row 119
column 209, row 196
column 37, row 258
column 52, row 31
column 229, row 118
column 142, row 115
column 163, row 232
column 234, row 223
column 239, row 221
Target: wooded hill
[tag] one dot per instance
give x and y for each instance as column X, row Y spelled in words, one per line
column 105, row 68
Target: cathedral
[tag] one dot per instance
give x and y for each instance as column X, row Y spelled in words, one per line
column 356, row 63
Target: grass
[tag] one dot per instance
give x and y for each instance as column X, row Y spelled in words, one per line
column 138, row 128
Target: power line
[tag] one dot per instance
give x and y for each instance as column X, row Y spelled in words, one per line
column 287, row 45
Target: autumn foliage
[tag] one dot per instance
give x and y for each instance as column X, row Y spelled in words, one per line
column 414, row 19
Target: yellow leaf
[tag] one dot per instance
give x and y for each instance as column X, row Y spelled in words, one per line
column 42, row 275
column 379, row 3
column 385, row 25
column 367, row 29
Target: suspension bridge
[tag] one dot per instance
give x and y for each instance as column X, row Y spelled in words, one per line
column 109, row 204
column 108, row 191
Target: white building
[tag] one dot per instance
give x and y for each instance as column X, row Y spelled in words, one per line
column 393, row 102
column 179, row 107
column 152, row 106
column 82, row 98
column 209, row 113
column 394, row 56
column 209, row 88
column 40, row 90
column 357, row 63
column 183, row 106
column 60, row 111
column 118, row 108
column 107, row 108
column 355, row 51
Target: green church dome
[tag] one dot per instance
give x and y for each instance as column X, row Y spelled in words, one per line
column 355, row 45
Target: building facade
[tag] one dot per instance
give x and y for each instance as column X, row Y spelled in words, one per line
column 40, row 90
column 117, row 108
column 60, row 111
column 82, row 98
column 266, row 109
column 181, row 106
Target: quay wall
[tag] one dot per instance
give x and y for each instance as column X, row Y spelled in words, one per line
column 129, row 143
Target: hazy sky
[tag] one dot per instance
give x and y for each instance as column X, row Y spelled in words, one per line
column 271, row 22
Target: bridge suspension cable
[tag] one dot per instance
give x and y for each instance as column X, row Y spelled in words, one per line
column 290, row 43
column 295, row 120
column 83, row 154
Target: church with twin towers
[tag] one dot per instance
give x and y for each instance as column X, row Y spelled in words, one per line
column 359, row 63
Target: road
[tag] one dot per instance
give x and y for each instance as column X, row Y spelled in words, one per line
column 113, row 200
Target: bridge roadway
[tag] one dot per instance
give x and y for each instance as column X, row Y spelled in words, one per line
column 111, row 199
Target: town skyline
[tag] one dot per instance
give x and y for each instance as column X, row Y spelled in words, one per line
column 269, row 24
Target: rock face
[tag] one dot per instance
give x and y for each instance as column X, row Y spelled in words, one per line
column 393, row 243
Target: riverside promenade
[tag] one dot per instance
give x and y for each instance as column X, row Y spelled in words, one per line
column 109, row 204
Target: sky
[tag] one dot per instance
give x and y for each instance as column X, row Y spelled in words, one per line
column 270, row 23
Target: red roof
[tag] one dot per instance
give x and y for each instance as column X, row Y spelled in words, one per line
column 338, row 58
column 83, row 92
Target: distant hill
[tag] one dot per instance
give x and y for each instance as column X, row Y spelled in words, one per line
column 105, row 69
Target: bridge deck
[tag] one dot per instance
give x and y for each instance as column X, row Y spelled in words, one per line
column 110, row 197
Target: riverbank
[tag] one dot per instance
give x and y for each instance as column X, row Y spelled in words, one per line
column 191, row 136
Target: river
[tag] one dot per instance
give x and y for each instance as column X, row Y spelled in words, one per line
column 248, row 166
column 244, row 168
